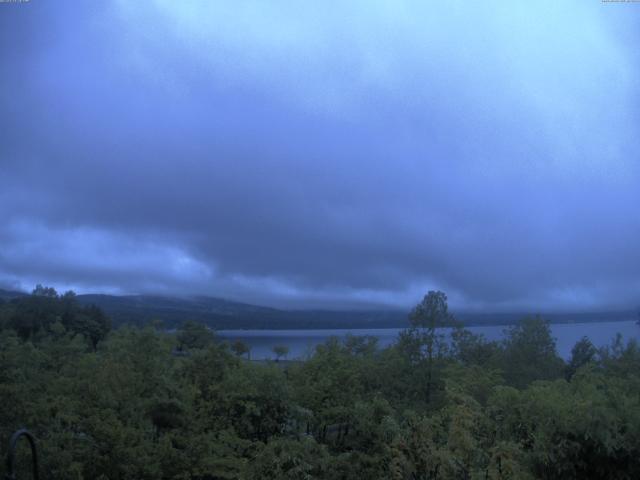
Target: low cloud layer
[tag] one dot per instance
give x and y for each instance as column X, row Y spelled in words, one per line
column 344, row 154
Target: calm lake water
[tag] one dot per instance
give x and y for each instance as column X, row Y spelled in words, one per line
column 302, row 343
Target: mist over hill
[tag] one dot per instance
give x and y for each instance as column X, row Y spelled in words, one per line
column 222, row 314
column 9, row 294
column 225, row 314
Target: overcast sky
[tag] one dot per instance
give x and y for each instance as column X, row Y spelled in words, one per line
column 324, row 154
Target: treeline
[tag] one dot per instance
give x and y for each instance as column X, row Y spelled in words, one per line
column 45, row 312
column 139, row 403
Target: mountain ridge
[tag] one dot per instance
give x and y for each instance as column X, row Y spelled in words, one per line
column 220, row 313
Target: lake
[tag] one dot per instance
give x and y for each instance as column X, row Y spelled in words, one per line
column 302, row 343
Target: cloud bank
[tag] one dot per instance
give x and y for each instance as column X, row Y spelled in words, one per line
column 335, row 154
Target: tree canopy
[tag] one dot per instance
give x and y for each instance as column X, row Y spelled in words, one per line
column 121, row 404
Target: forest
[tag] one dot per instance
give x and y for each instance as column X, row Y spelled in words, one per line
column 146, row 403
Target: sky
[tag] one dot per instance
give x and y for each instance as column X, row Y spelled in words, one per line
column 324, row 154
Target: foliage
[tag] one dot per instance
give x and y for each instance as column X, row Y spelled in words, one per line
column 530, row 353
column 45, row 313
column 193, row 335
column 125, row 404
column 280, row 351
column 240, row 348
column 582, row 353
column 424, row 343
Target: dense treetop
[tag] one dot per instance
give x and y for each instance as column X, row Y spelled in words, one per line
column 142, row 403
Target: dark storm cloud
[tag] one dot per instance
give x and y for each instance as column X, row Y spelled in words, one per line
column 360, row 153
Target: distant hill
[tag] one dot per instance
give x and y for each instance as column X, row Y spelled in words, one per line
column 9, row 294
column 225, row 314
column 563, row 317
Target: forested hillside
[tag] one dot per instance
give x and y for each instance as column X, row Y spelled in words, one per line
column 225, row 314
column 140, row 403
column 221, row 314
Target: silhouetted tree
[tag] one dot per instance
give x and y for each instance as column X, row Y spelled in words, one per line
column 582, row 353
column 280, row 351
column 530, row 353
column 423, row 342
column 44, row 291
column 240, row 348
column 194, row 335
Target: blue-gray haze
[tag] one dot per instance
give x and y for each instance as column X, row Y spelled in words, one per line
column 324, row 153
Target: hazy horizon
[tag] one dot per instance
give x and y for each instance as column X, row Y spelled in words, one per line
column 632, row 312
